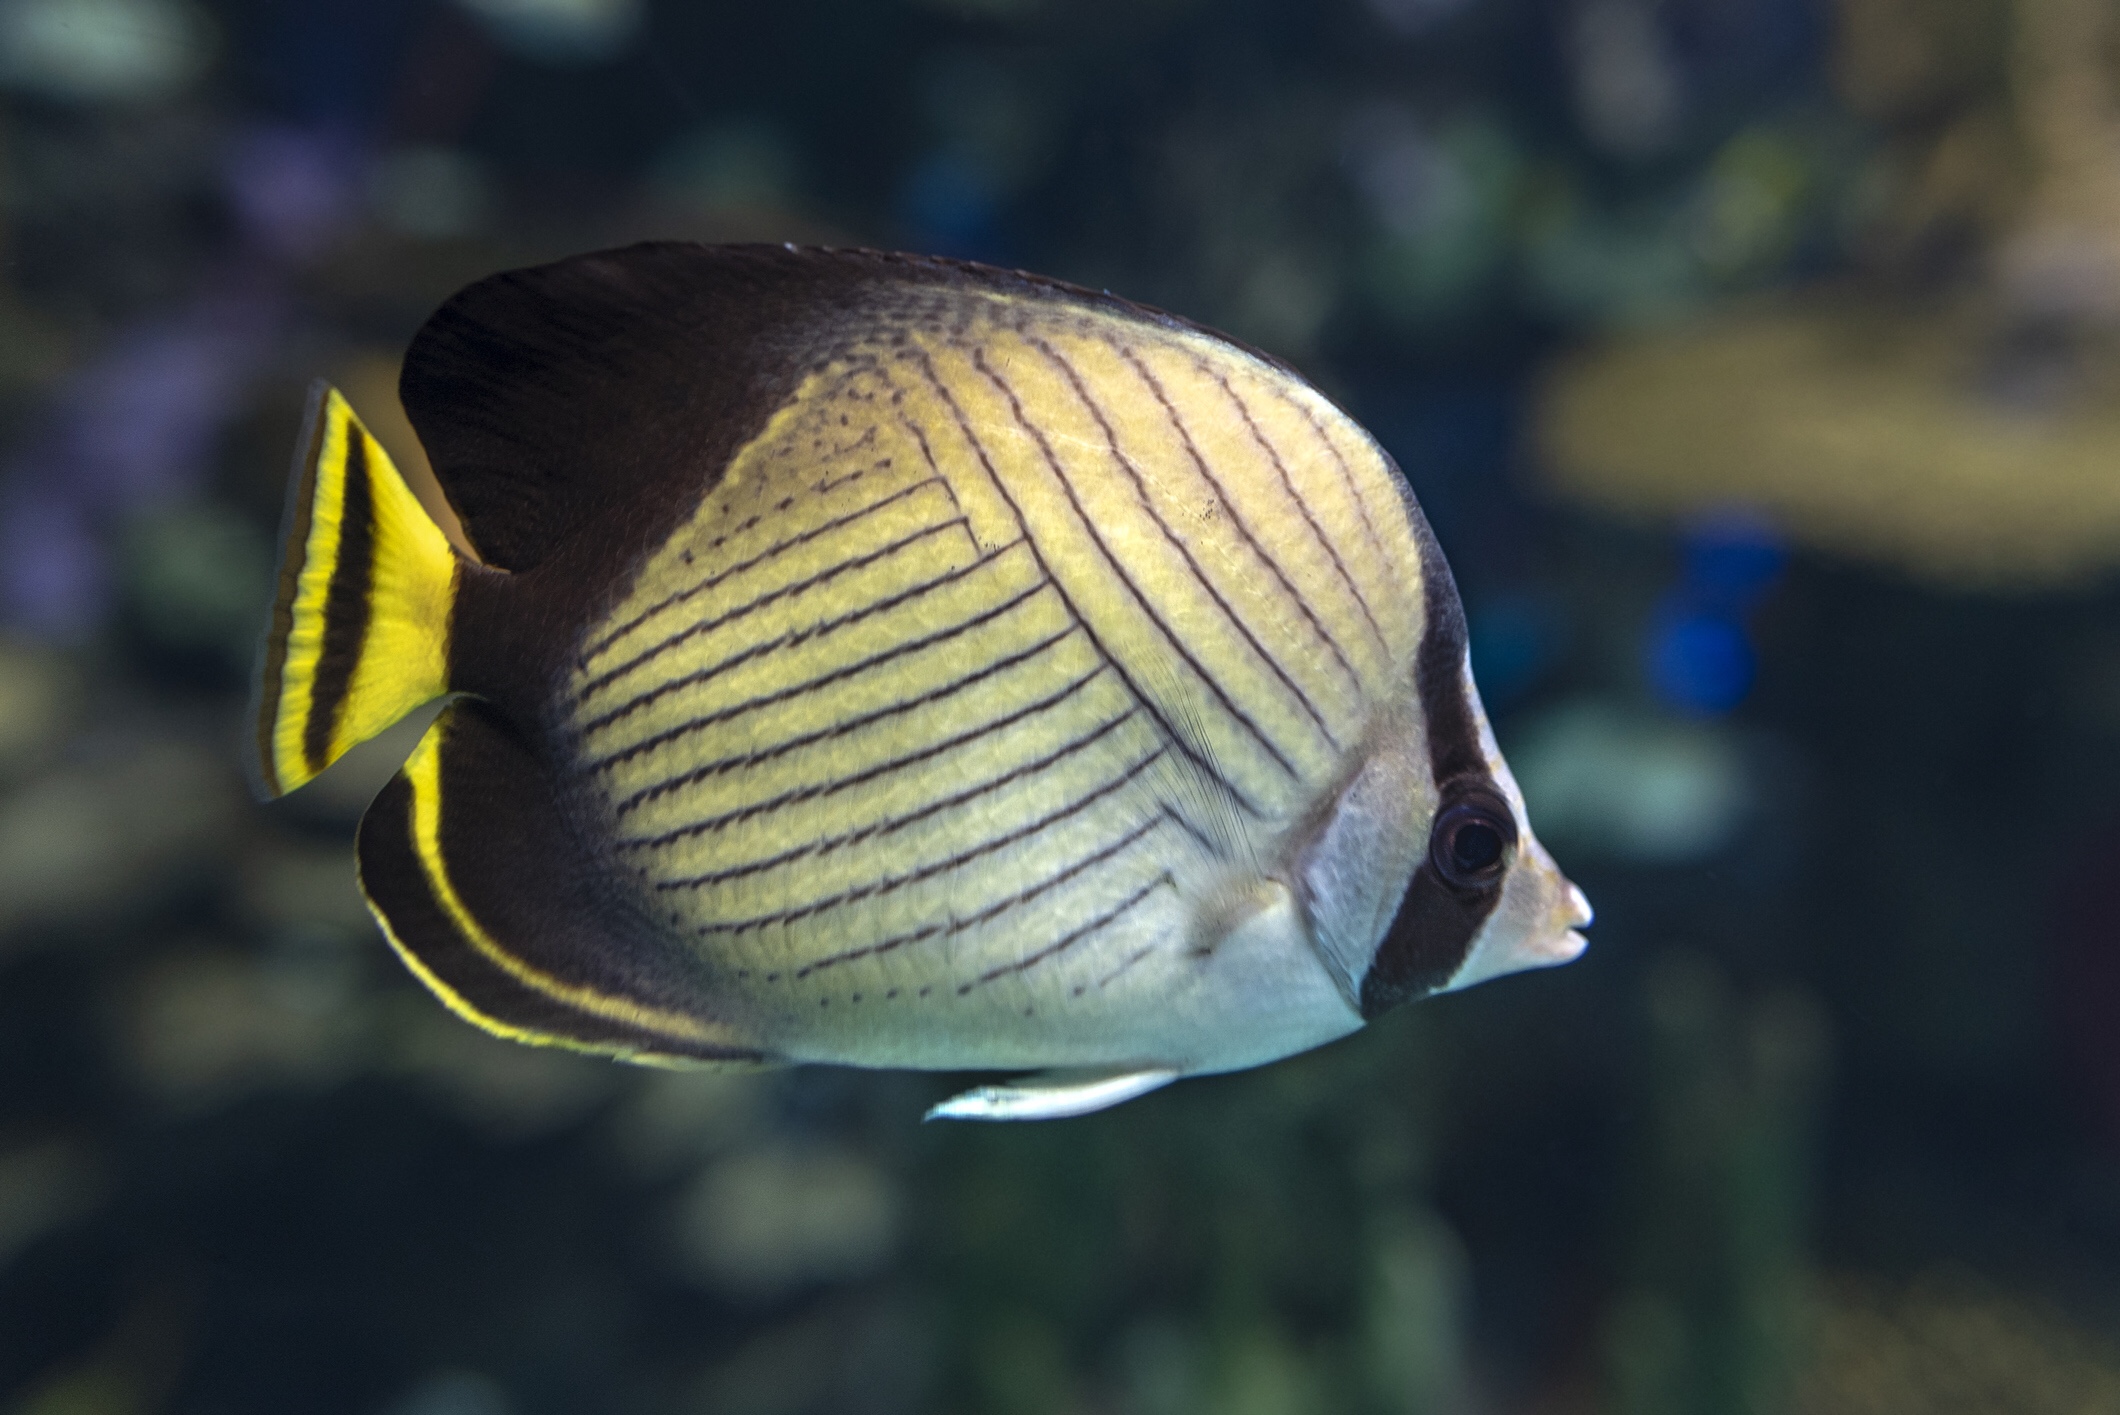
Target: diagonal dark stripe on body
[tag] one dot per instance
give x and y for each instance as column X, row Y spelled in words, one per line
column 1111, row 440
column 1273, row 566
column 839, row 729
column 828, row 788
column 676, row 597
column 1025, row 964
column 1170, row 636
column 934, row 808
column 707, row 626
column 993, row 912
column 1273, row 454
column 1191, row 753
column 800, row 636
column 894, row 883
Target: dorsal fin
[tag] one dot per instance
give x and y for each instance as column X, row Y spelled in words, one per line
column 548, row 395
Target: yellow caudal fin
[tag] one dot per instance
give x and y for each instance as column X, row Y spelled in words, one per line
column 360, row 622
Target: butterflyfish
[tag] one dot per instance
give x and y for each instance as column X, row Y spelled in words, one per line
column 888, row 661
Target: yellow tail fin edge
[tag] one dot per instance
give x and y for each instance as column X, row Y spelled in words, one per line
column 361, row 618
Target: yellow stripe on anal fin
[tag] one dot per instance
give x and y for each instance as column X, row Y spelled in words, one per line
column 361, row 551
column 423, row 774
column 455, row 1002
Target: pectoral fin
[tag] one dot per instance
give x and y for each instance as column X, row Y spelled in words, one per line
column 1052, row 1095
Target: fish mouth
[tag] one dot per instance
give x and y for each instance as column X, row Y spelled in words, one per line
column 1568, row 944
column 1580, row 914
column 1556, row 948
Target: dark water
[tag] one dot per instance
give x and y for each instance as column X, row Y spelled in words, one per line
column 1820, row 705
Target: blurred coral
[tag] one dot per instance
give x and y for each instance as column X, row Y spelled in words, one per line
column 1955, row 423
column 1862, row 429
column 1949, row 1342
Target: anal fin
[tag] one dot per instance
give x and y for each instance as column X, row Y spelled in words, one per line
column 1052, row 1095
column 467, row 862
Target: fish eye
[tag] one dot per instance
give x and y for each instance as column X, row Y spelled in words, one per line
column 1470, row 841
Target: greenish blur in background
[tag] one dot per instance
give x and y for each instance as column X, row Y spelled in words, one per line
column 1758, row 364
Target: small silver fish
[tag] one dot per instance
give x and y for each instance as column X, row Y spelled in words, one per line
column 894, row 662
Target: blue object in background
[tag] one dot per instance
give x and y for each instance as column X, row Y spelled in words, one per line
column 1700, row 656
column 1699, row 663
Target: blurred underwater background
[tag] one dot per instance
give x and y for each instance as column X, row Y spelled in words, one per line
column 1758, row 365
